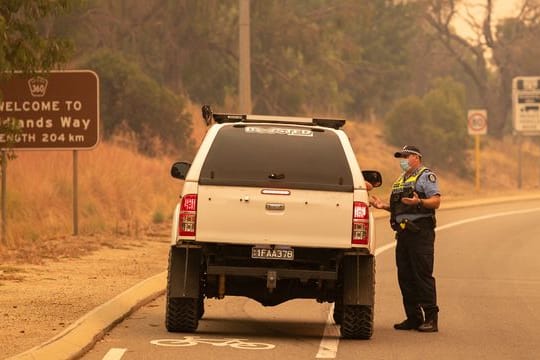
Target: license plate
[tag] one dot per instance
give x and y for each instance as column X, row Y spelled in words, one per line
column 274, row 254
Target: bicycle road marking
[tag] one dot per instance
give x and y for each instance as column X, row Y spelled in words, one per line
column 195, row 340
column 330, row 340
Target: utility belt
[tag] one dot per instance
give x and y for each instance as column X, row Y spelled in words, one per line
column 416, row 225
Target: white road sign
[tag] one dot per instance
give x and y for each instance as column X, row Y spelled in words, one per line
column 477, row 122
column 526, row 104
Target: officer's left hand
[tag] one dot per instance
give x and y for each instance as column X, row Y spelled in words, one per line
column 412, row 201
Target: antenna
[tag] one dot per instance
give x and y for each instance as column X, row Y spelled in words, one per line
column 207, row 114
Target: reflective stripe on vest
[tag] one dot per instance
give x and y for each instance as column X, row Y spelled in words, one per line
column 401, row 183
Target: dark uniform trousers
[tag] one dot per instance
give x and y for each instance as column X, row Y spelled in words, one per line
column 414, row 259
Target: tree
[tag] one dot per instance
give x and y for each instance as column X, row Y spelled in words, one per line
column 445, row 135
column 519, row 46
column 378, row 34
column 404, row 121
column 187, row 46
column 493, row 86
column 315, row 56
column 24, row 43
column 131, row 100
column 292, row 73
column 330, row 57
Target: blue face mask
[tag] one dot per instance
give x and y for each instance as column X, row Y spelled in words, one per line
column 404, row 163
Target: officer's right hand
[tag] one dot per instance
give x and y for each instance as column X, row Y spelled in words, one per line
column 413, row 201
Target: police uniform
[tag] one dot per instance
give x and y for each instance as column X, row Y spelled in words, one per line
column 415, row 234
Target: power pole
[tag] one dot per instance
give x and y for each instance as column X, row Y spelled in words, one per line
column 244, row 66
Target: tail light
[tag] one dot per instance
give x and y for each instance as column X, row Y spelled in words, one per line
column 188, row 215
column 360, row 223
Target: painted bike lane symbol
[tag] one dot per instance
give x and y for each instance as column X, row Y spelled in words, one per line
column 194, row 340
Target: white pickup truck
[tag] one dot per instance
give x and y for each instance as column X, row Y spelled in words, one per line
column 273, row 208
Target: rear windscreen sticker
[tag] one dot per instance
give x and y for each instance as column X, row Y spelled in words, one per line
column 278, row 131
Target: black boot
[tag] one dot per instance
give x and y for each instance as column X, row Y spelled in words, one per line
column 430, row 325
column 408, row 324
column 415, row 318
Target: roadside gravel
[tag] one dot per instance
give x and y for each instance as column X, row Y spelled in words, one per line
column 42, row 294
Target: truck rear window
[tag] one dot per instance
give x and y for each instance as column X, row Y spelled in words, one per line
column 277, row 156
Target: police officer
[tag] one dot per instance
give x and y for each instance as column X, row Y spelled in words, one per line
column 414, row 198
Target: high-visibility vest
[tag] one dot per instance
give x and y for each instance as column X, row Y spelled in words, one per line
column 404, row 187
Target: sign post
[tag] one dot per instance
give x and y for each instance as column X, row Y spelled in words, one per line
column 4, row 192
column 477, row 125
column 58, row 110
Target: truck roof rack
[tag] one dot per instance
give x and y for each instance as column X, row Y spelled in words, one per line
column 325, row 122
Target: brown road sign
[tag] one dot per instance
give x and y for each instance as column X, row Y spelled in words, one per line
column 56, row 110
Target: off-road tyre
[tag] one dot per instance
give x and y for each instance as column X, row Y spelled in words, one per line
column 182, row 314
column 338, row 311
column 357, row 322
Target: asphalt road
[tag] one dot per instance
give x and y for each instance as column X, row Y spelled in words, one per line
column 487, row 268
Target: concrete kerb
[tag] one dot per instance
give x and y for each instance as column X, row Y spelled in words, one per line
column 83, row 334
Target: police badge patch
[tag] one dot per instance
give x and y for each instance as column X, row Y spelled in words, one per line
column 432, row 177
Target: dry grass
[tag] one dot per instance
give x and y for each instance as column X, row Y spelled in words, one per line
column 120, row 192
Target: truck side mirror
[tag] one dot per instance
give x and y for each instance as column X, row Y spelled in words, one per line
column 179, row 170
column 373, row 177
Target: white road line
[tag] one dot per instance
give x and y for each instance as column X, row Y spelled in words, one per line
column 485, row 217
column 386, row 247
column 330, row 341
column 114, row 354
column 382, row 249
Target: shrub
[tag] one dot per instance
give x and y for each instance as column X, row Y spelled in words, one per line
column 131, row 100
column 435, row 123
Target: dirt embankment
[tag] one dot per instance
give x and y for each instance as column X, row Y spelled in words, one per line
column 38, row 301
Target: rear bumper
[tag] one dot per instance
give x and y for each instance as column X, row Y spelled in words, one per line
column 263, row 272
column 236, row 260
column 308, row 263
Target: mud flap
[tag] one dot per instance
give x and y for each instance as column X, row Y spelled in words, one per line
column 184, row 272
column 359, row 280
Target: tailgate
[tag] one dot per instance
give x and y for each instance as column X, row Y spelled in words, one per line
column 251, row 215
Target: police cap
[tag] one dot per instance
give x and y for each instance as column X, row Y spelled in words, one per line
column 408, row 150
